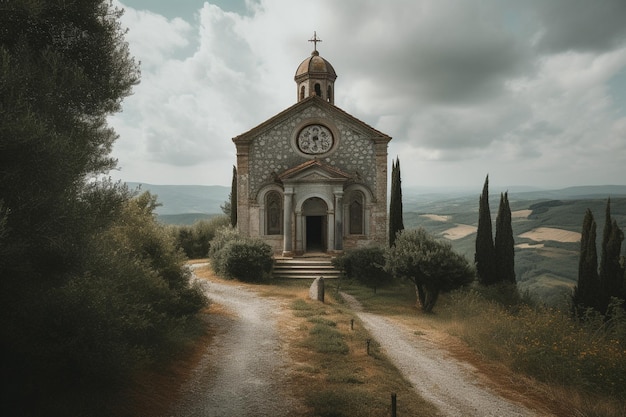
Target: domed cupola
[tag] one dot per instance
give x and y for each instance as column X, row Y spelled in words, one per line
column 316, row 76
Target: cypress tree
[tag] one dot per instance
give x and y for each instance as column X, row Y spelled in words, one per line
column 611, row 272
column 485, row 251
column 504, row 242
column 587, row 291
column 233, row 198
column 395, row 204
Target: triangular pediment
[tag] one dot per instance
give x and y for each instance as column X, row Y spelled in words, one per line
column 313, row 171
column 331, row 110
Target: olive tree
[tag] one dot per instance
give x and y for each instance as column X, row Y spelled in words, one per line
column 431, row 265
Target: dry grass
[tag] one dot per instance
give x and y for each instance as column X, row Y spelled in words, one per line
column 332, row 370
column 537, row 356
column 546, row 344
column 459, row 231
column 541, row 234
column 333, row 375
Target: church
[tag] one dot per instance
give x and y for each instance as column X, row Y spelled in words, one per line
column 313, row 178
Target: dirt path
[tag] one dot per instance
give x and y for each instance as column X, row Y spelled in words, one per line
column 243, row 371
column 451, row 385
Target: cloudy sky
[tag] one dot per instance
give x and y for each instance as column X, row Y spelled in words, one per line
column 530, row 92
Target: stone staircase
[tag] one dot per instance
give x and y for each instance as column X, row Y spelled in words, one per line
column 304, row 268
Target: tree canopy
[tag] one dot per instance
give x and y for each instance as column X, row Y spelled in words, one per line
column 92, row 288
column 430, row 264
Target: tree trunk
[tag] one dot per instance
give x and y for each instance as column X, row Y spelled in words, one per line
column 432, row 294
column 420, row 295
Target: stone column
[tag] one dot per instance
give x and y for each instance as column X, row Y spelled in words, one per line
column 287, row 216
column 299, row 235
column 330, row 230
column 338, row 220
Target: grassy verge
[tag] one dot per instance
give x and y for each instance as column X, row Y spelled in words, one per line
column 579, row 367
column 334, row 373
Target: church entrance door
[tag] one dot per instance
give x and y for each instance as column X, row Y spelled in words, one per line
column 315, row 215
column 315, row 235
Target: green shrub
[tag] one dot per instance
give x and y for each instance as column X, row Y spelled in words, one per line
column 238, row 257
column 365, row 265
column 195, row 240
column 247, row 260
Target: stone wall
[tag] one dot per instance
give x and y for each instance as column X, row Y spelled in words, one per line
column 272, row 152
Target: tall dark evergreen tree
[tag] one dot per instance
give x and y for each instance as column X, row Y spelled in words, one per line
column 396, row 222
column 587, row 291
column 233, row 198
column 504, row 243
column 611, row 271
column 485, row 256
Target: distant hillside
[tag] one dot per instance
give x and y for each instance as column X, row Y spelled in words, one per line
column 546, row 231
column 207, row 199
column 186, row 199
column 184, row 219
column 546, row 223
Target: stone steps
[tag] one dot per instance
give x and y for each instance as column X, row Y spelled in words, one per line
column 304, row 268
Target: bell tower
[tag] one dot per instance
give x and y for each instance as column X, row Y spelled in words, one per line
column 315, row 76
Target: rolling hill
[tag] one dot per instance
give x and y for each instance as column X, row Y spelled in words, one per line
column 546, row 223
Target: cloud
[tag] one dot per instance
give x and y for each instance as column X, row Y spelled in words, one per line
column 521, row 89
column 580, row 25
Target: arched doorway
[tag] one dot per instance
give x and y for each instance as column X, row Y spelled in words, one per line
column 315, row 213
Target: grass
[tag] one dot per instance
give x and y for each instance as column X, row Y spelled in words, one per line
column 569, row 367
column 580, row 367
column 334, row 374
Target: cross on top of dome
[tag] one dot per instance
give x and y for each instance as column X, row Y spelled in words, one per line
column 315, row 40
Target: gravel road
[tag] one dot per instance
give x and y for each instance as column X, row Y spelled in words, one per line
column 446, row 382
column 243, row 371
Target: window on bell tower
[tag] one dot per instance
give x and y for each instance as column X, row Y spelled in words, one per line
column 318, row 90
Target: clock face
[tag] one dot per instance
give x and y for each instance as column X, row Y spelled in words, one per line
column 315, row 139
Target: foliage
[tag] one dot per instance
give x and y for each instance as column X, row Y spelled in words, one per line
column 93, row 289
column 546, row 343
column 611, row 272
column 430, row 264
column 239, row 257
column 485, row 256
column 233, row 199
column 587, row 291
column 596, row 289
column 124, row 308
column 366, row 265
column 247, row 260
column 504, row 245
column 195, row 240
column 230, row 206
column 396, row 223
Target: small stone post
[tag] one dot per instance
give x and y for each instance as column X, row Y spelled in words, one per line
column 316, row 292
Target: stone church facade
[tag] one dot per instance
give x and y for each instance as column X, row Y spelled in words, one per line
column 313, row 178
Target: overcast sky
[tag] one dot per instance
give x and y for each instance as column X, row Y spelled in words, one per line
column 530, row 92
